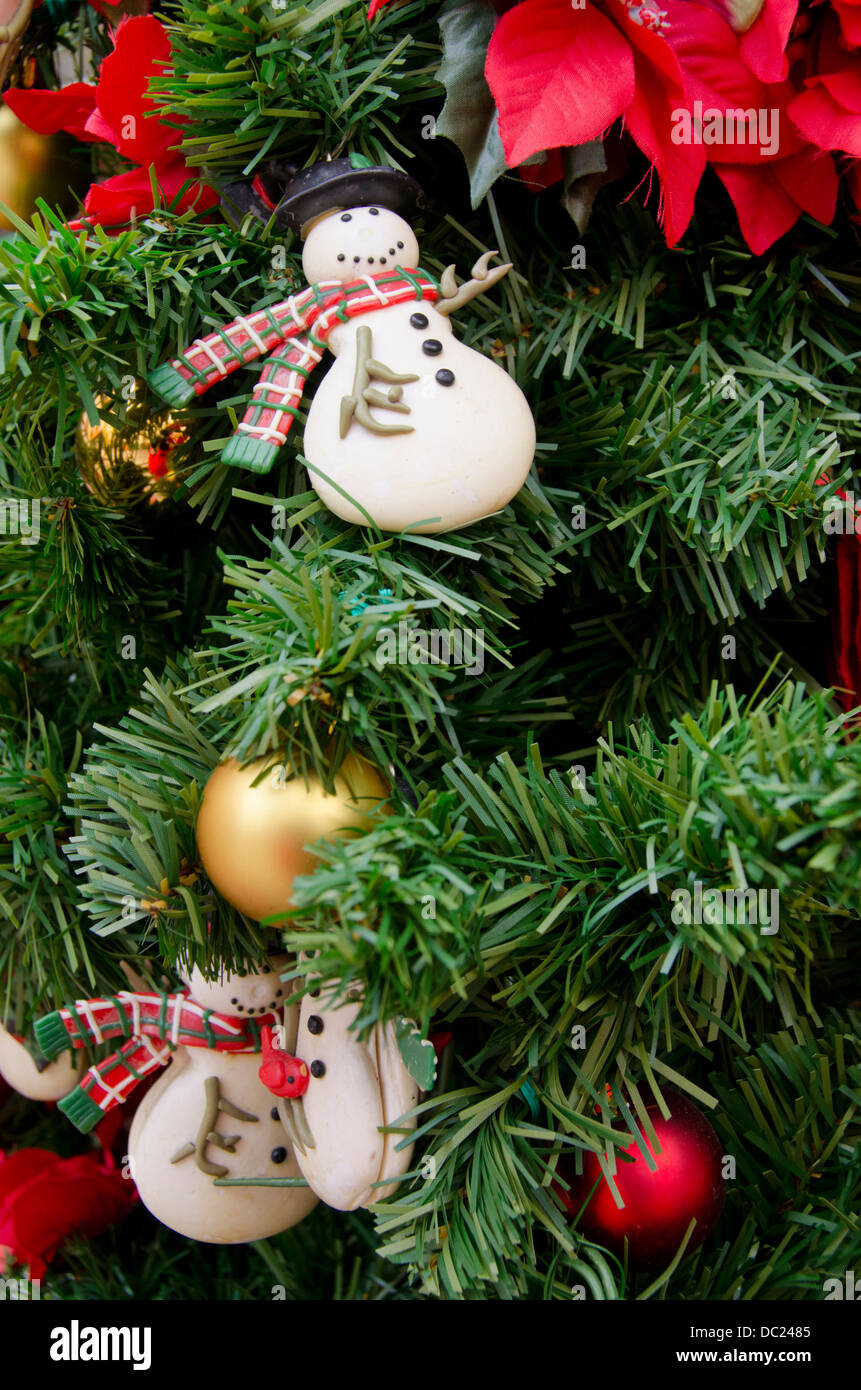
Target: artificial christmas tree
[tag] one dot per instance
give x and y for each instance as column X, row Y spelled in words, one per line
column 613, row 852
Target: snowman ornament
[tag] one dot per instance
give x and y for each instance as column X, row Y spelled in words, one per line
column 410, row 429
column 207, row 1149
column 347, row 1106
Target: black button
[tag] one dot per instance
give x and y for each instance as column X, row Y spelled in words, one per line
column 274, row 1113
column 400, row 246
column 432, row 346
column 278, row 1155
column 346, row 217
column 445, row 377
column 318, row 1068
column 419, row 320
column 315, row 1024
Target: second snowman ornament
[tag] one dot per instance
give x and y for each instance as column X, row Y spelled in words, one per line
column 346, row 1105
column 410, row 428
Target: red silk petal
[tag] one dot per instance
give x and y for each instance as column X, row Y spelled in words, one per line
column 764, row 209
column 537, row 177
column 649, row 120
column 558, row 76
column 849, row 15
column 140, row 52
column 763, row 47
column 116, row 200
column 48, row 112
column 810, row 179
column 826, row 123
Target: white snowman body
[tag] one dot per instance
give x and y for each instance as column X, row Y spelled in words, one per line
column 177, row 1192
column 472, row 436
column 356, row 1090
column 51, row 1082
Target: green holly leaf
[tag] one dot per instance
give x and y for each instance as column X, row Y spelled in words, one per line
column 469, row 115
column 417, row 1054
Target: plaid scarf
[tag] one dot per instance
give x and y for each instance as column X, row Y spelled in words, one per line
column 154, row 1026
column 299, row 328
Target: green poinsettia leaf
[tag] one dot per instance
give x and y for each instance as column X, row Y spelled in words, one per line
column 585, row 172
column 468, row 117
column 417, row 1054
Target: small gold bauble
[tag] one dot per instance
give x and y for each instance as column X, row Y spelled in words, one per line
column 252, row 840
column 130, row 464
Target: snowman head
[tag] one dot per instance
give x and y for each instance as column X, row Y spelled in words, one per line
column 255, row 991
column 346, row 243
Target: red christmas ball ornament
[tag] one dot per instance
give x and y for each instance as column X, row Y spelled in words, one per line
column 660, row 1202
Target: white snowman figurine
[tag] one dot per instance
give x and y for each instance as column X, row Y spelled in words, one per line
column 347, row 1106
column 452, row 438
column 210, row 1117
column 410, row 429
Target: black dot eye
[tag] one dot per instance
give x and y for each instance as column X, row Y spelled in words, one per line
column 341, row 256
column 318, row 1069
column 400, row 246
column 278, row 993
column 370, row 260
column 278, row 1155
column 356, row 260
column 239, row 1009
column 391, row 250
column 315, row 994
column 382, row 260
column 419, row 320
column 234, row 1001
column 445, row 377
column 432, row 347
column 375, row 212
column 315, row 1024
column 346, row 217
column 274, row 1113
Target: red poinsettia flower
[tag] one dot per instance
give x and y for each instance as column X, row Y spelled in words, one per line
column 773, row 177
column 45, row 1198
column 562, row 76
column 828, row 110
column 118, row 111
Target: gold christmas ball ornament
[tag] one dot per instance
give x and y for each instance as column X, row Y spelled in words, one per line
column 130, row 464
column 252, row 839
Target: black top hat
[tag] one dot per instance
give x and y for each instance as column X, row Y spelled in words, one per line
column 334, row 183
column 347, row 183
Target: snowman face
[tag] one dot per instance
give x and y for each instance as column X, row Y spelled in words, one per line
column 360, row 241
column 261, row 991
